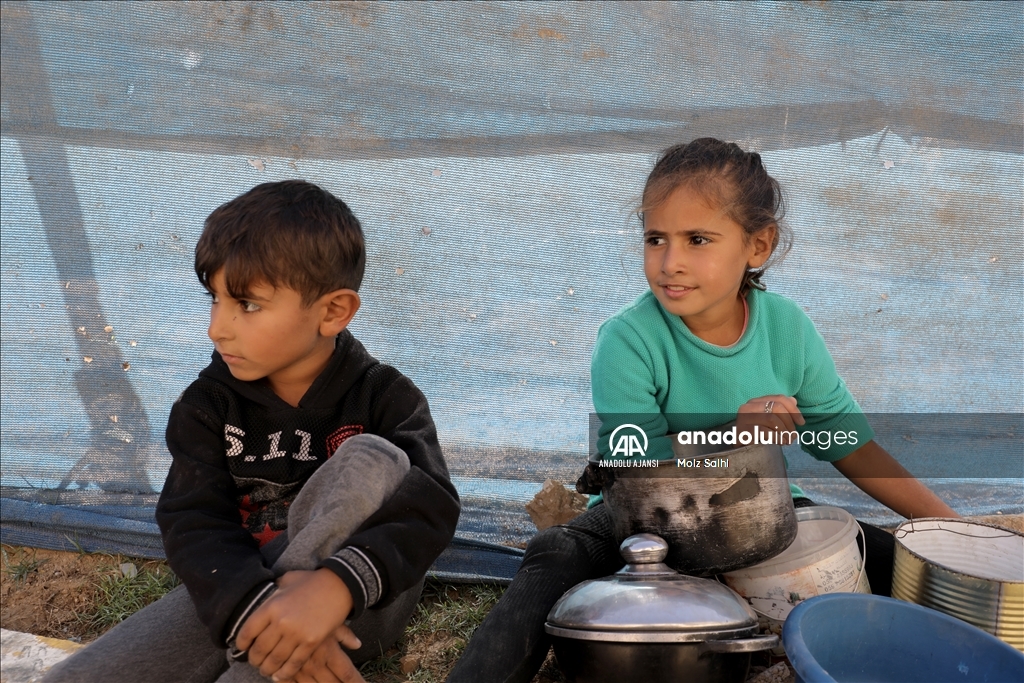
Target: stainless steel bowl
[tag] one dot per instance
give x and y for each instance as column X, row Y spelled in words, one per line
column 649, row 623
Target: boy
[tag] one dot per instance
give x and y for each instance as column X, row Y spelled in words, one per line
column 307, row 496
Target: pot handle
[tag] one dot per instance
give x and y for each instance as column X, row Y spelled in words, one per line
column 755, row 644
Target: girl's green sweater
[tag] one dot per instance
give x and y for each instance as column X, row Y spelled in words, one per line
column 648, row 369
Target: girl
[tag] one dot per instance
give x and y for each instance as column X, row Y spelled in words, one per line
column 705, row 340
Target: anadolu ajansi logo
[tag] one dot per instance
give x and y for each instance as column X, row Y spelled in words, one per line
column 625, row 443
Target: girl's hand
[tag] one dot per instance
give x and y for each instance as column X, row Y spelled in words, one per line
column 769, row 413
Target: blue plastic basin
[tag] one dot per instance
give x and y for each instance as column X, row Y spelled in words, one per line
column 847, row 637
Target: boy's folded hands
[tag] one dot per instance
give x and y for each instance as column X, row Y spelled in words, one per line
column 295, row 633
column 329, row 664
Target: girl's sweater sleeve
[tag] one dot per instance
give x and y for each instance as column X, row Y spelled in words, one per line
column 624, row 376
column 206, row 545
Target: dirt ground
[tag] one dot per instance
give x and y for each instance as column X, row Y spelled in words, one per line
column 74, row 596
column 51, row 593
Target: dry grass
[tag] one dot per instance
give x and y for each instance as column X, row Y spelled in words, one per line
column 78, row 596
column 74, row 596
column 437, row 635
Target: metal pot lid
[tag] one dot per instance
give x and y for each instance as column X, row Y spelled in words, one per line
column 647, row 596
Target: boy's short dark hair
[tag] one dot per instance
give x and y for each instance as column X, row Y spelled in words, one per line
column 291, row 233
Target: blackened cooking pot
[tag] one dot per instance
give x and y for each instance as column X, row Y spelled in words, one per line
column 719, row 510
column 651, row 624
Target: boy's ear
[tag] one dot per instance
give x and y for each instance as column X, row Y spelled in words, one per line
column 338, row 309
column 763, row 244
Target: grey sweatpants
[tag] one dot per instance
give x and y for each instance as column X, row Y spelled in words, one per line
column 166, row 642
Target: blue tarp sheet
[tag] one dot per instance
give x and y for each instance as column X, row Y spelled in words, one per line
column 494, row 153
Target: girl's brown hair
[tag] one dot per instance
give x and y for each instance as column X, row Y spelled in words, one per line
column 731, row 178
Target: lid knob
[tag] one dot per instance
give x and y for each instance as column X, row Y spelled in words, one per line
column 644, row 549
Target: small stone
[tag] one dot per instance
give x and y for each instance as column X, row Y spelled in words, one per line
column 87, row 359
column 426, row 231
column 129, row 570
column 399, row 271
column 554, row 504
column 134, row 343
column 779, row 673
column 436, row 173
column 993, row 259
column 888, row 164
column 885, row 297
column 126, row 366
column 108, row 328
column 113, row 418
column 570, row 291
column 553, row 342
column 409, row 664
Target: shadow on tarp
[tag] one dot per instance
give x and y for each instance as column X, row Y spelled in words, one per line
column 61, row 527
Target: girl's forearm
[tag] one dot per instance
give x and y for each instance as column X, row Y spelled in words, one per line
column 879, row 475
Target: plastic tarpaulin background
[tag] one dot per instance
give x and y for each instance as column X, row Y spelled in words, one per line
column 494, row 153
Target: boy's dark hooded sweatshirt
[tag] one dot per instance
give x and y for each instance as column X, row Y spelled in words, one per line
column 241, row 455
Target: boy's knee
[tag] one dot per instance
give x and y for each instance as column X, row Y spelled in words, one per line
column 365, row 462
column 354, row 483
column 376, row 451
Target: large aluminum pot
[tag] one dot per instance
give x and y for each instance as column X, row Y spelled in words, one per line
column 719, row 510
column 648, row 623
